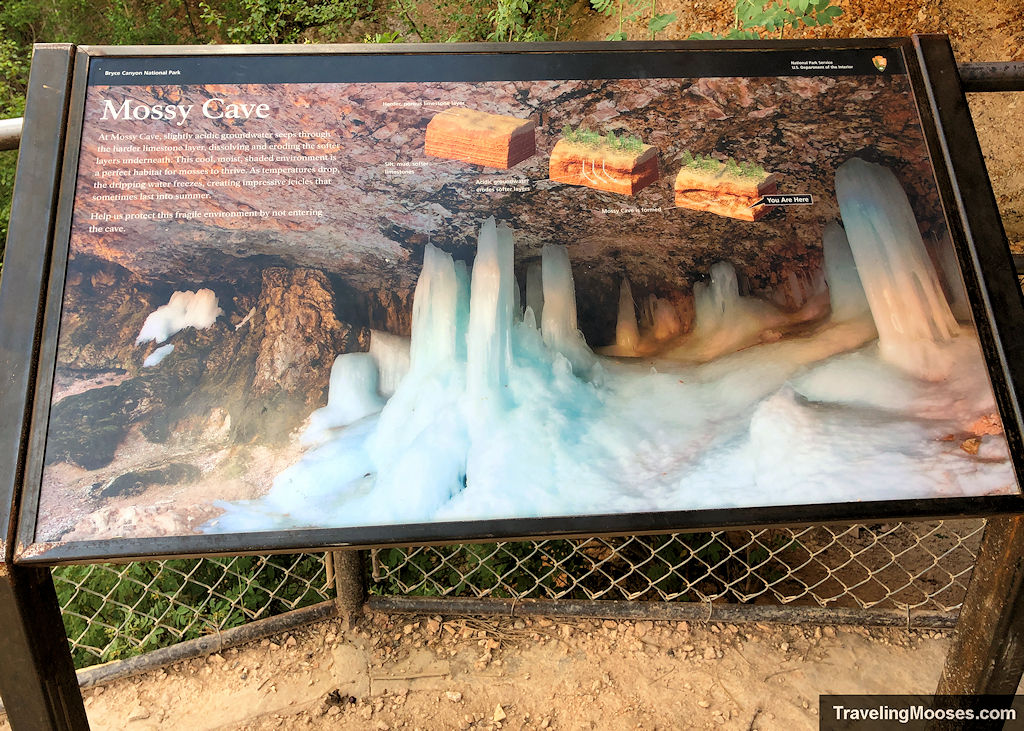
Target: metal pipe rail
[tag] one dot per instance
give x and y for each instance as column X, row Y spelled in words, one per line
column 10, row 133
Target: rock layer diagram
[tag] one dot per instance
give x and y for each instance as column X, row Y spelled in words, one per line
column 603, row 167
column 719, row 191
column 491, row 140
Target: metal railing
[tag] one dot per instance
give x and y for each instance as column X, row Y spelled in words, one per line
column 10, row 133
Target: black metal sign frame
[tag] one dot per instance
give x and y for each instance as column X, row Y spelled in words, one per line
column 31, row 297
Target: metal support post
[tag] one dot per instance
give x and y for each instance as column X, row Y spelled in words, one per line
column 987, row 656
column 38, row 682
column 349, row 583
column 37, row 675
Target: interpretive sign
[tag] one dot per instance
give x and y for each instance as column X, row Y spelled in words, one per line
column 329, row 298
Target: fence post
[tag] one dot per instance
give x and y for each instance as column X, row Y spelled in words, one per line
column 37, row 675
column 349, row 583
column 987, row 655
column 38, row 681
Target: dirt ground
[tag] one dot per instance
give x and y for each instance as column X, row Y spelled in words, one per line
column 405, row 672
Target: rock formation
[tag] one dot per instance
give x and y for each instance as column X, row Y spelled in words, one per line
column 103, row 291
column 718, row 189
column 262, row 378
column 604, row 167
column 491, row 140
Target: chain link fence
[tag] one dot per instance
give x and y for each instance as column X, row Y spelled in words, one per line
column 898, row 565
column 112, row 612
column 115, row 611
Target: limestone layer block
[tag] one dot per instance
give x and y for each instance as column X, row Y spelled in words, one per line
column 603, row 167
column 723, row 194
column 491, row 140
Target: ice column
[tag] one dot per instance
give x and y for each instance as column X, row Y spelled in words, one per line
column 902, row 288
column 627, row 333
column 845, row 292
column 712, row 302
column 434, row 312
column 462, row 276
column 488, row 340
column 351, row 395
column 391, row 352
column 558, row 321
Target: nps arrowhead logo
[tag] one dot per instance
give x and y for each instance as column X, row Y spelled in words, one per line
column 880, row 62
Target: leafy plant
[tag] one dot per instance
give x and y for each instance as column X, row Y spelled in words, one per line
column 113, row 612
column 388, row 37
column 511, row 19
column 754, row 19
column 278, row 21
column 495, row 20
column 656, row 22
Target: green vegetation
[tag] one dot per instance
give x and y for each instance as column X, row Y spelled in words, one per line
column 480, row 20
column 756, row 19
column 656, row 22
column 753, row 19
column 708, row 164
column 120, row 611
column 281, row 21
column 589, row 138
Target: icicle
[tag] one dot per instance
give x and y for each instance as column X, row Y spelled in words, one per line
column 627, row 333
column 558, row 321
column 488, row 338
column 645, row 318
column 902, row 287
column 434, row 312
column 845, row 291
column 391, row 352
column 462, row 276
column 714, row 300
column 517, row 300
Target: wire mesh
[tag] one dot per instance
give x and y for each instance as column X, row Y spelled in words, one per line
column 116, row 611
column 897, row 565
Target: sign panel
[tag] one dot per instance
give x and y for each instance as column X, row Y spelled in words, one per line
column 371, row 298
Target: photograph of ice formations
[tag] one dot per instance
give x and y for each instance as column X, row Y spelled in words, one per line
column 513, row 300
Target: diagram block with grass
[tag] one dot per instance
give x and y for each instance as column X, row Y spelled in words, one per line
column 605, row 162
column 491, row 140
column 725, row 188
